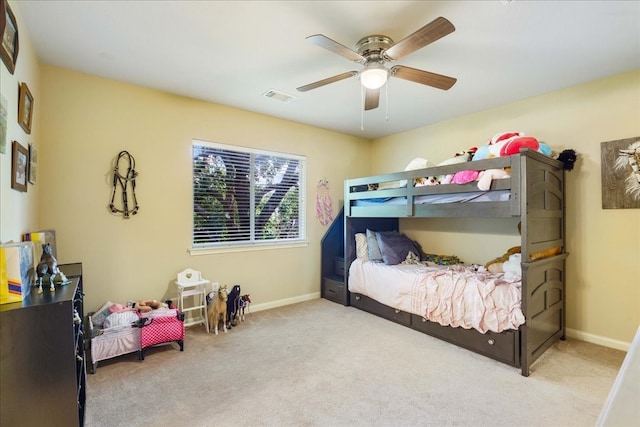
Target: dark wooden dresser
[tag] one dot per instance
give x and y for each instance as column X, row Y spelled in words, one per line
column 42, row 357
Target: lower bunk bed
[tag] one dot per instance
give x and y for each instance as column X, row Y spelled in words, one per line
column 479, row 311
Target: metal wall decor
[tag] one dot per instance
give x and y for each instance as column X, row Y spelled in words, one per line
column 124, row 182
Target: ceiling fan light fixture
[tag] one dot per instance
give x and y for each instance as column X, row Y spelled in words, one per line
column 374, row 76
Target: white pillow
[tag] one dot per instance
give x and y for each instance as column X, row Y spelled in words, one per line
column 120, row 319
column 361, row 246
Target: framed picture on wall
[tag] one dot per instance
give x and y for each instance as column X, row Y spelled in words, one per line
column 25, row 108
column 3, row 124
column 19, row 165
column 9, row 33
column 33, row 163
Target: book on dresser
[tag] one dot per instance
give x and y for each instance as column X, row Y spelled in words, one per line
column 42, row 370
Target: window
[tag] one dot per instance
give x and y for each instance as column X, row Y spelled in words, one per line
column 243, row 196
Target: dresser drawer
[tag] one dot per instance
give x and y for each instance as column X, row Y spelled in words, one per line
column 333, row 289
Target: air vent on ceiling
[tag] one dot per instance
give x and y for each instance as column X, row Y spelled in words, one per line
column 279, row 95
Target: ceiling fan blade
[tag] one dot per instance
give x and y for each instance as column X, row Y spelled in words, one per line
column 431, row 32
column 335, row 47
column 326, row 81
column 423, row 77
column 371, row 98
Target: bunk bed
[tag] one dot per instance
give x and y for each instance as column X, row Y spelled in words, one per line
column 534, row 194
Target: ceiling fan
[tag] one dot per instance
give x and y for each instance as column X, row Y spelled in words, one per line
column 376, row 50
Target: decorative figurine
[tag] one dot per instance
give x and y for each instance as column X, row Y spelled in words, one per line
column 48, row 266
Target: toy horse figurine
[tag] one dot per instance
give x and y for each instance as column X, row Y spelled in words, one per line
column 245, row 300
column 218, row 309
column 233, row 305
column 48, row 266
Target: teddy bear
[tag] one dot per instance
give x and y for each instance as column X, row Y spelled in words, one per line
column 509, row 264
column 496, row 265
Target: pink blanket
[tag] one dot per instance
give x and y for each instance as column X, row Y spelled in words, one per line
column 451, row 296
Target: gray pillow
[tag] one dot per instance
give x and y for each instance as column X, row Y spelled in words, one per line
column 372, row 246
column 395, row 247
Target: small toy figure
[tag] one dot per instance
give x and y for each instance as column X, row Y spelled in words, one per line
column 48, row 266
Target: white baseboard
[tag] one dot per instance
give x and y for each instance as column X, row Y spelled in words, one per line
column 597, row 339
column 283, row 302
column 571, row 333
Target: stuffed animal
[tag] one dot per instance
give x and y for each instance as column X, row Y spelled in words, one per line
column 568, row 158
column 460, row 157
column 464, row 177
column 148, row 305
column 485, row 177
column 508, row 143
column 496, row 265
column 512, row 268
column 417, row 163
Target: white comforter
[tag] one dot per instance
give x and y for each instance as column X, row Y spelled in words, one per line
column 452, row 295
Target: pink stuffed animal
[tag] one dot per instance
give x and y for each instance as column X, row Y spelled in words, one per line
column 464, row 177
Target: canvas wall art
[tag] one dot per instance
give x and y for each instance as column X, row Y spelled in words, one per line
column 621, row 173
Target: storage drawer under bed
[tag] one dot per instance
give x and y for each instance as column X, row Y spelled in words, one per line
column 503, row 346
column 333, row 289
column 372, row 306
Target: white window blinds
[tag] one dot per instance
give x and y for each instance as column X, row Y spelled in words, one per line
column 244, row 196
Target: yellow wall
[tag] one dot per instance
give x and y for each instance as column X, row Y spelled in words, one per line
column 87, row 121
column 603, row 283
column 18, row 210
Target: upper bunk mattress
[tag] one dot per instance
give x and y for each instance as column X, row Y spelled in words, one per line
column 434, row 199
column 455, row 296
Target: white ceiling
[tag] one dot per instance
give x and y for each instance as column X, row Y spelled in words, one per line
column 231, row 52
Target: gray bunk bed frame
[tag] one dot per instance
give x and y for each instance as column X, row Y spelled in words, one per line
column 536, row 198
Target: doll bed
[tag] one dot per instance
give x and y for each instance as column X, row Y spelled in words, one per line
column 116, row 334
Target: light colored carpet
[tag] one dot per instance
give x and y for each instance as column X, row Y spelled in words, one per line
column 318, row 363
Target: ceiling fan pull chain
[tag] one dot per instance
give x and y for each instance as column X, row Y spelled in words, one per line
column 362, row 92
column 386, row 101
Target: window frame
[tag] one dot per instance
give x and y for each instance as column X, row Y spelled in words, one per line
column 252, row 243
